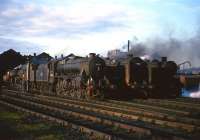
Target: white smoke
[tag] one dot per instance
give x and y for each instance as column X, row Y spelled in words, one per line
column 146, row 57
column 195, row 94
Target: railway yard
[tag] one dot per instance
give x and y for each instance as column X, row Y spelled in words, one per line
column 156, row 119
column 108, row 70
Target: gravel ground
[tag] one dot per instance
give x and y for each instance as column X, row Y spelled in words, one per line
column 18, row 126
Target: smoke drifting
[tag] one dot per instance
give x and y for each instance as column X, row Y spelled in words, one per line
column 175, row 49
column 195, row 94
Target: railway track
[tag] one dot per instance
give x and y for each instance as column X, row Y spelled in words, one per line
column 104, row 129
column 62, row 122
column 112, row 112
column 149, row 107
column 162, row 106
column 133, row 113
column 186, row 100
column 130, row 122
column 181, row 103
column 165, row 106
column 190, row 107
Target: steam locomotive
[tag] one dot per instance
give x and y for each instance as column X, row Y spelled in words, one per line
column 93, row 76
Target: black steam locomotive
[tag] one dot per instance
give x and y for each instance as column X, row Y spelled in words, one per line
column 93, row 76
column 145, row 78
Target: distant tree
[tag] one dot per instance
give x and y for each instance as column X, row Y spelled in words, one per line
column 10, row 59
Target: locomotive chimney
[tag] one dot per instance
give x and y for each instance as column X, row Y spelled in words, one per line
column 34, row 54
column 61, row 55
column 164, row 59
column 92, row 55
column 56, row 57
column 128, row 45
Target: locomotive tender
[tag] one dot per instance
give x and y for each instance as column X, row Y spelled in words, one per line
column 93, row 76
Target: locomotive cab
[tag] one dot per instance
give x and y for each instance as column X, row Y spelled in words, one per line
column 136, row 73
column 96, row 73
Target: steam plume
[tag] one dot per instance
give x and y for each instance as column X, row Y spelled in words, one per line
column 195, row 94
column 175, row 49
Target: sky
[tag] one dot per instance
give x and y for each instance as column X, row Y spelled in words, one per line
column 84, row 26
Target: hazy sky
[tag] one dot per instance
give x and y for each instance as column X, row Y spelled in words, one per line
column 83, row 26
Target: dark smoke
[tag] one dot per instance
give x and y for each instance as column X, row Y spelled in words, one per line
column 175, row 49
column 138, row 49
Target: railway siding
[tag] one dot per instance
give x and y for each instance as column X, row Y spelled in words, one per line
column 59, row 121
column 171, row 104
column 125, row 109
column 118, row 117
column 91, row 121
column 124, row 112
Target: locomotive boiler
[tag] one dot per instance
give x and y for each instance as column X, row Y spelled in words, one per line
column 80, row 76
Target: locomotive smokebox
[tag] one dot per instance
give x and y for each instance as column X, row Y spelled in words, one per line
column 91, row 55
column 164, row 59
